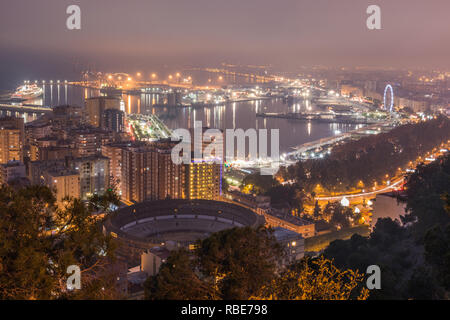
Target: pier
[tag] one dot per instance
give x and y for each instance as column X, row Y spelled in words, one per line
column 324, row 117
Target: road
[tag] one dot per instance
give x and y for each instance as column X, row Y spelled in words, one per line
column 395, row 184
column 362, row 194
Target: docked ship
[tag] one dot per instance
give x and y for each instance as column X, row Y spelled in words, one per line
column 27, row 91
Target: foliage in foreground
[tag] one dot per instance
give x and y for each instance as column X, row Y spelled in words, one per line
column 414, row 257
column 38, row 241
column 316, row 279
column 241, row 263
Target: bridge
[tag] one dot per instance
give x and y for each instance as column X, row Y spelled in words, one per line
column 235, row 74
column 25, row 108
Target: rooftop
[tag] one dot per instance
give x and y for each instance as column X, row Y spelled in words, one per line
column 11, row 164
column 62, row 172
column 161, row 252
column 282, row 234
column 289, row 218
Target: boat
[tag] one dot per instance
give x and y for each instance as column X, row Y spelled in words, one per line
column 27, row 91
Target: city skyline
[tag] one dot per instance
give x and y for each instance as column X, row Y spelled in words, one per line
column 224, row 150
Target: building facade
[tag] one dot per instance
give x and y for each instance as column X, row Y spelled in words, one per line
column 113, row 120
column 11, row 139
column 65, row 183
column 203, row 180
column 94, row 174
column 148, row 173
column 11, row 171
column 95, row 107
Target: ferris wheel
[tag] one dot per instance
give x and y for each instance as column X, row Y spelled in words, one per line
column 388, row 99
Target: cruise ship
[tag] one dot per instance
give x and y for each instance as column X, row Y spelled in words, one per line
column 27, row 91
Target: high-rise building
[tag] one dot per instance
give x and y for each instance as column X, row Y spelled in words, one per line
column 113, row 120
column 11, row 139
column 114, row 151
column 37, row 169
column 67, row 112
column 37, row 130
column 37, row 144
column 89, row 141
column 201, row 140
column 148, row 173
column 51, row 153
column 11, row 171
column 168, row 182
column 65, row 176
column 96, row 106
column 94, row 174
column 65, row 183
column 203, row 179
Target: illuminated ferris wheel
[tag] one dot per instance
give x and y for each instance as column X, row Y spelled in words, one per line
column 388, row 98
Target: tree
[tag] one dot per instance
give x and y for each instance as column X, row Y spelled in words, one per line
column 406, row 272
column 422, row 285
column 178, row 280
column 317, row 211
column 426, row 189
column 291, row 195
column 38, row 241
column 107, row 202
column 437, row 253
column 316, row 279
column 225, row 185
column 337, row 215
column 364, row 161
column 230, row 264
column 241, row 263
column 239, row 260
column 260, row 183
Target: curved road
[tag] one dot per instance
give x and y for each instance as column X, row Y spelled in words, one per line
column 362, row 194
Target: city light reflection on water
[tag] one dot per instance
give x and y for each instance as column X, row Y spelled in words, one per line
column 227, row 116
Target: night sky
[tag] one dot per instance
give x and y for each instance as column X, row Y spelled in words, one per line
column 145, row 34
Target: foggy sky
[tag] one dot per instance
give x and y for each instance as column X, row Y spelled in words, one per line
column 123, row 34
